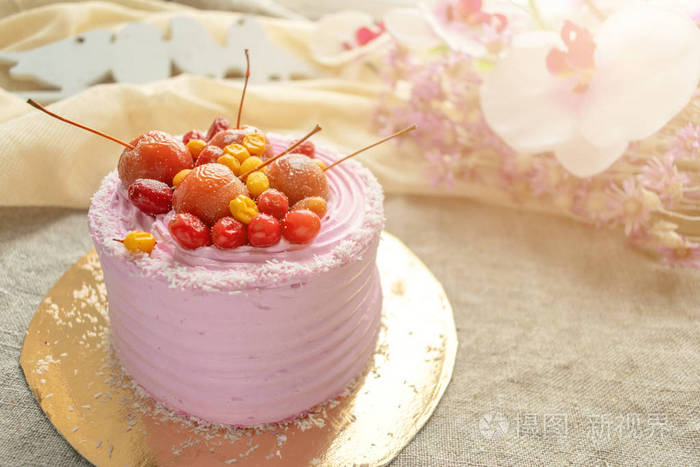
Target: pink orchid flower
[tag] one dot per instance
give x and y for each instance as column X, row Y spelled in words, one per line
column 585, row 96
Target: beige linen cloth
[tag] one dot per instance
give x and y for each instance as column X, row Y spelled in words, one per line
column 573, row 348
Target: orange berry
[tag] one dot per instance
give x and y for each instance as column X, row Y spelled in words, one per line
column 314, row 204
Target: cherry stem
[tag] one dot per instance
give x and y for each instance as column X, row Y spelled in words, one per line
column 63, row 119
column 316, row 129
column 245, row 86
column 398, row 133
column 118, row 240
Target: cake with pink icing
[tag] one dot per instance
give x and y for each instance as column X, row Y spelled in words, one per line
column 251, row 334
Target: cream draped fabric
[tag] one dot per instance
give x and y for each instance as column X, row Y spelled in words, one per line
column 45, row 162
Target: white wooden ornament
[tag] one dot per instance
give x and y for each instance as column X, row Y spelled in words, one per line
column 138, row 53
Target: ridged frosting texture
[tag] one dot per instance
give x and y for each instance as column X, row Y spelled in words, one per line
column 270, row 333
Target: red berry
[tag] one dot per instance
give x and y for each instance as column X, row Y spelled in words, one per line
column 192, row 134
column 156, row 155
column 301, row 226
column 228, row 233
column 209, row 155
column 216, row 126
column 307, row 148
column 151, row 196
column 264, row 230
column 273, row 202
column 189, row 231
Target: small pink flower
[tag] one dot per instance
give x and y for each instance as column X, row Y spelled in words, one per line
column 632, row 206
column 662, row 176
column 547, row 176
column 687, row 255
column 441, row 168
column 686, row 144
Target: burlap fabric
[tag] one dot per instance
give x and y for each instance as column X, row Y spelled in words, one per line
column 573, row 350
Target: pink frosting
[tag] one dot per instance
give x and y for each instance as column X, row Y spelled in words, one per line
column 246, row 336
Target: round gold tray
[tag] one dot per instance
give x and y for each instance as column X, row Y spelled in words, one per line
column 69, row 364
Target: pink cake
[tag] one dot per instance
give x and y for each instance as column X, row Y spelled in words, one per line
column 249, row 335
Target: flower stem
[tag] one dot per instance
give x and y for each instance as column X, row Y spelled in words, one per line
column 536, row 14
column 595, row 10
column 679, row 215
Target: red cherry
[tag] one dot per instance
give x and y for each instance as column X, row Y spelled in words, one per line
column 307, row 148
column 228, row 233
column 156, row 155
column 301, row 226
column 228, row 136
column 273, row 202
column 264, row 230
column 192, row 134
column 216, row 126
column 207, row 191
column 189, row 231
column 208, row 155
column 151, row 196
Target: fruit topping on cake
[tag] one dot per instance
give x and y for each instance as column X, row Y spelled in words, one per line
column 298, row 177
column 189, row 231
column 151, row 196
column 155, row 155
column 225, row 187
column 207, row 191
column 273, row 202
column 300, row 226
column 138, row 242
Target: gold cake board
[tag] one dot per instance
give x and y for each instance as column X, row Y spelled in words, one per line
column 69, row 364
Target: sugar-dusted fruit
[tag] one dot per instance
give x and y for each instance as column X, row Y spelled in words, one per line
column 314, row 204
column 195, row 146
column 243, row 208
column 155, row 155
column 231, row 162
column 180, row 175
column 264, row 231
column 189, row 231
column 139, row 242
column 257, row 183
column 236, row 136
column 298, row 177
column 229, row 233
column 207, row 191
column 307, row 148
column 151, row 196
column 219, row 124
column 209, row 155
column 192, row 134
column 273, row 203
column 300, row 226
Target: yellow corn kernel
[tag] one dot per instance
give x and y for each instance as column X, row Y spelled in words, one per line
column 255, row 144
column 257, row 182
column 231, row 162
column 139, row 241
column 180, row 175
column 249, row 164
column 195, row 146
column 243, row 208
column 320, row 163
column 238, row 151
